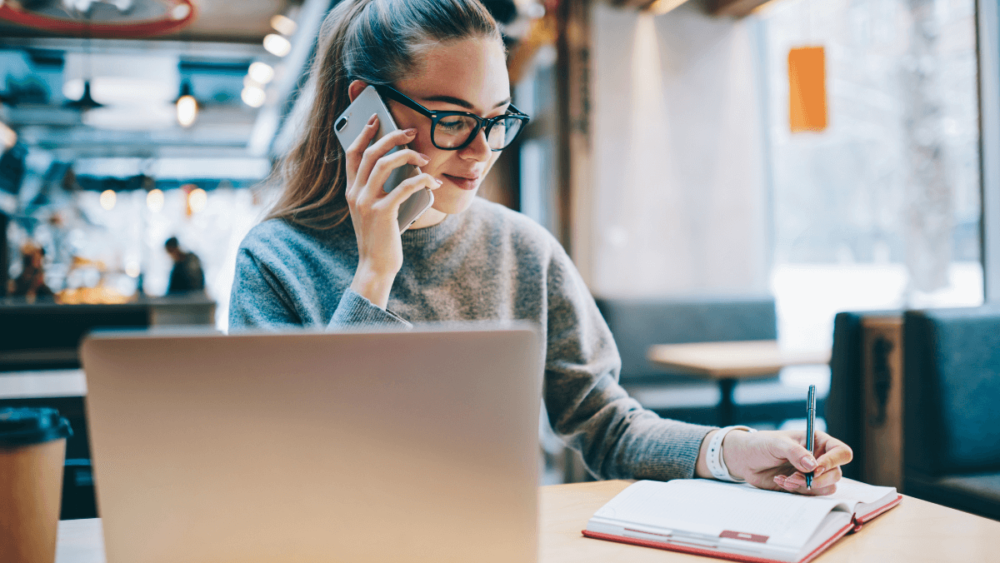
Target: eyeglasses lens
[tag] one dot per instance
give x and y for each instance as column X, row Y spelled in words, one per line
column 453, row 130
column 503, row 133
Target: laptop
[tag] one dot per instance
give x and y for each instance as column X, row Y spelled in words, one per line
column 317, row 447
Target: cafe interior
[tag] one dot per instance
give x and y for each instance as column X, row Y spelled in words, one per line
column 760, row 195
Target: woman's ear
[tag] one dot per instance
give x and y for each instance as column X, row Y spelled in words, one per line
column 355, row 88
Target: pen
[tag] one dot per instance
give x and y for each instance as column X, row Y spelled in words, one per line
column 810, row 428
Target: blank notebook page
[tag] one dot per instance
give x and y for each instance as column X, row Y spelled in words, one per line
column 703, row 508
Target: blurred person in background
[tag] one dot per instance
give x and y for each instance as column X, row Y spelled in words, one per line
column 30, row 284
column 186, row 275
column 331, row 254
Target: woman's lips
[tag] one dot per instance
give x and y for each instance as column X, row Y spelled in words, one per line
column 462, row 182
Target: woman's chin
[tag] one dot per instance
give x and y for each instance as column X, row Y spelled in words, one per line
column 452, row 200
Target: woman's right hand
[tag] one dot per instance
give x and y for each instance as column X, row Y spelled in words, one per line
column 374, row 212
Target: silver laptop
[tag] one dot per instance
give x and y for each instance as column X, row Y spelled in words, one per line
column 309, row 447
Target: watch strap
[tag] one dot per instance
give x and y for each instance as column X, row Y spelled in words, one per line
column 716, row 461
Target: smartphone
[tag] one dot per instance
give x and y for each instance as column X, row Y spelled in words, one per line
column 352, row 122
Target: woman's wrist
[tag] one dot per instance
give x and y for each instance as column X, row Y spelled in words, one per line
column 373, row 287
column 731, row 455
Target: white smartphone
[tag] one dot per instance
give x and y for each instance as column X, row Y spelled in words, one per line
column 352, row 122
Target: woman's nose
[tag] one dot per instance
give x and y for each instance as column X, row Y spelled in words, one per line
column 478, row 149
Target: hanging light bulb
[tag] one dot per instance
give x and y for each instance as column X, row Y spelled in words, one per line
column 85, row 101
column 187, row 106
column 253, row 96
column 197, row 200
column 108, row 199
column 155, row 200
column 277, row 45
column 283, row 24
column 261, row 73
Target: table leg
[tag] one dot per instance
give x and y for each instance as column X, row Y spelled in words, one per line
column 727, row 408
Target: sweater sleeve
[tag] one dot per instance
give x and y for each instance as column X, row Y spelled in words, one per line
column 354, row 309
column 258, row 300
column 616, row 436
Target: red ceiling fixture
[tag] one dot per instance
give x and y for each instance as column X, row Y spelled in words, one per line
column 102, row 18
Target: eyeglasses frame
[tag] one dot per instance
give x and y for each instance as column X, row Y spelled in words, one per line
column 436, row 116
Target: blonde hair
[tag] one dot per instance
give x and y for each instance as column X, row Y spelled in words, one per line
column 377, row 42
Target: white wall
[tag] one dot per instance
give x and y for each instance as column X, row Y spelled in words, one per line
column 679, row 198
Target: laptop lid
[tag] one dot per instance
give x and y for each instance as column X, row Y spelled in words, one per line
column 395, row 446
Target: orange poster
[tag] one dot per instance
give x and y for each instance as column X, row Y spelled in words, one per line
column 807, row 89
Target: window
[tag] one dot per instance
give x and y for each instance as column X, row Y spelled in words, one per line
column 882, row 209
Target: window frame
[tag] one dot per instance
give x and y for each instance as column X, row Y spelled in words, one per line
column 988, row 51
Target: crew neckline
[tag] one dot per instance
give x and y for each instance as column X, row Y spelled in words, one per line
column 433, row 234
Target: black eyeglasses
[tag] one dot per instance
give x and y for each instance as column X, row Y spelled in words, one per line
column 455, row 130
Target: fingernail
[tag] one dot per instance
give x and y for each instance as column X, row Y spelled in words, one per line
column 424, row 156
column 808, row 461
column 373, row 119
column 780, row 480
column 438, row 181
column 819, row 471
column 410, row 132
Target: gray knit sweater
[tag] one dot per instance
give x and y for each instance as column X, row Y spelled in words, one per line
column 487, row 263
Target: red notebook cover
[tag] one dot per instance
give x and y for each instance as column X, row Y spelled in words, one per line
column 859, row 522
column 853, row 526
column 718, row 554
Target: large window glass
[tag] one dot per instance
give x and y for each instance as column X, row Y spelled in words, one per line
column 881, row 209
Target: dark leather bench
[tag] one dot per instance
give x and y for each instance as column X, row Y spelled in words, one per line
column 952, row 408
column 639, row 323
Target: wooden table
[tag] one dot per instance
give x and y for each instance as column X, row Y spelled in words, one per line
column 729, row 362
column 914, row 532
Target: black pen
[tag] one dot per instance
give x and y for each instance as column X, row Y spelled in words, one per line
column 810, row 429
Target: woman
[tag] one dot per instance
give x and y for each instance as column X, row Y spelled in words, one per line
column 330, row 253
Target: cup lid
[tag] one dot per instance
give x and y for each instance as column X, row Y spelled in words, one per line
column 26, row 426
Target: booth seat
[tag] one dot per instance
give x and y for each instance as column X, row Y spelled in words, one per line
column 845, row 405
column 952, row 408
column 638, row 324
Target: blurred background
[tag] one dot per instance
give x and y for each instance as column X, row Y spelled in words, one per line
column 690, row 178
column 719, row 170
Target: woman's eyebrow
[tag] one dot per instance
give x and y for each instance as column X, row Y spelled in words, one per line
column 461, row 102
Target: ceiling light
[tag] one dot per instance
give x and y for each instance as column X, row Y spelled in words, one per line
column 180, row 11
column 187, row 110
column 261, row 73
column 108, row 199
column 187, row 106
column 122, row 78
column 283, row 24
column 155, row 200
column 84, row 101
column 197, row 200
column 253, row 96
column 277, row 45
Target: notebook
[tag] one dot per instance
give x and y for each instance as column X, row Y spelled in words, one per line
column 737, row 521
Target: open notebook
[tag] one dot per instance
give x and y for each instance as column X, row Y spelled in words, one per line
column 737, row 522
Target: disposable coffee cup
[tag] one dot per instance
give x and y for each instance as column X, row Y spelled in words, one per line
column 32, row 452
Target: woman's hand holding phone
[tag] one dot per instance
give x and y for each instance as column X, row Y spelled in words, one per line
column 375, row 213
